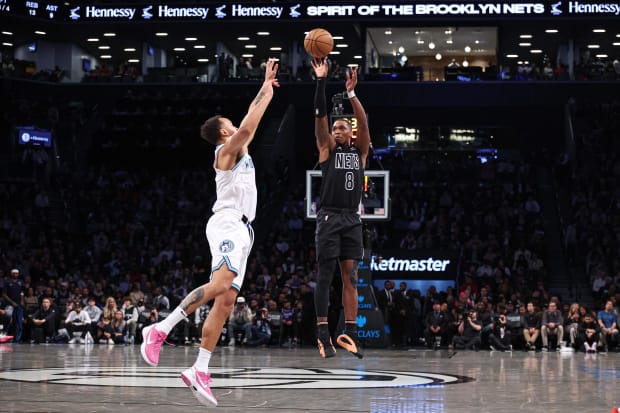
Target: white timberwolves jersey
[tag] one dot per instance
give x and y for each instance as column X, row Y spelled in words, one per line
column 236, row 188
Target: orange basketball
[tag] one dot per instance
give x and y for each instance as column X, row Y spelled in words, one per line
column 318, row 43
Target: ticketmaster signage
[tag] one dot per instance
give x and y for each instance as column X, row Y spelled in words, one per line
column 413, row 265
column 332, row 10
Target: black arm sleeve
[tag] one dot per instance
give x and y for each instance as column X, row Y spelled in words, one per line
column 320, row 105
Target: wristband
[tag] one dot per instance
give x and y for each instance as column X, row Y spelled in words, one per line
column 351, row 94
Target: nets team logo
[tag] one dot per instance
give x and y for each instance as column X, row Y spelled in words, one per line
column 226, row 246
column 233, row 378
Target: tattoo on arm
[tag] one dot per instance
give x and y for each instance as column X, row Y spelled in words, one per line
column 194, row 297
column 356, row 265
column 259, row 97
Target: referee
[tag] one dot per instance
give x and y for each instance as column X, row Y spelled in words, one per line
column 339, row 226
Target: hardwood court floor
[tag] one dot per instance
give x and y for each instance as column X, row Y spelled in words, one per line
column 100, row 378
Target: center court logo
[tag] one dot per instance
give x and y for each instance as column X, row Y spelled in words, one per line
column 233, row 378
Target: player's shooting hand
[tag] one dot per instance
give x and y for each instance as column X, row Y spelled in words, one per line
column 271, row 70
column 320, row 66
column 351, row 75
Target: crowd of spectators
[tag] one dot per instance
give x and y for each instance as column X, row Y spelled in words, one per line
column 592, row 230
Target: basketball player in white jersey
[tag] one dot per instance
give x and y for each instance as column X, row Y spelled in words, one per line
column 229, row 234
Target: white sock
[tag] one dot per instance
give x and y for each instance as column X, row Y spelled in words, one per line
column 202, row 362
column 172, row 320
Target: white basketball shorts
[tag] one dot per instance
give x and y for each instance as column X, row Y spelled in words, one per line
column 230, row 242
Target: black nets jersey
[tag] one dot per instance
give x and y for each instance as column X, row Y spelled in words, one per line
column 343, row 179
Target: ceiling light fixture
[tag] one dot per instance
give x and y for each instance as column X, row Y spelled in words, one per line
column 200, row 46
column 512, row 56
column 103, row 47
column 401, row 49
column 42, row 33
column 203, row 59
column 243, row 38
column 551, row 31
column 388, row 32
column 250, row 46
column 431, row 45
column 179, row 49
column 357, row 56
column 525, row 44
column 602, row 56
column 191, row 39
column 105, row 56
column 134, row 60
column 467, row 49
column 449, row 41
column 594, row 46
column 275, row 48
column 598, row 30
column 338, row 37
column 334, row 52
column 129, row 49
column 8, row 33
column 465, row 63
column 7, row 44
column 341, row 45
column 525, row 36
column 438, row 56
column 535, row 51
column 247, row 55
column 262, row 33
column 92, row 39
column 109, row 34
column 161, row 34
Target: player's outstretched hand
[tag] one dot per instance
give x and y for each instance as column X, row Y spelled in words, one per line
column 351, row 78
column 271, row 70
column 321, row 67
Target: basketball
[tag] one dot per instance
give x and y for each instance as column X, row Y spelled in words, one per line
column 318, row 43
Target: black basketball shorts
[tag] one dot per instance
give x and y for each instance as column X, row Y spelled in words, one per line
column 338, row 235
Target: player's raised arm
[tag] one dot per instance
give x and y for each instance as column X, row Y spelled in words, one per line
column 244, row 135
column 324, row 141
column 363, row 134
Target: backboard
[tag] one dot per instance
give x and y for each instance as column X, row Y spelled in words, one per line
column 375, row 205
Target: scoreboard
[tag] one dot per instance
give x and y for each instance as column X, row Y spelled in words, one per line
column 52, row 10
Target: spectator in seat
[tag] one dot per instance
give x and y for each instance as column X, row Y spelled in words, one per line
column 531, row 327
column 95, row 315
column 608, row 323
column 130, row 315
column 43, row 322
column 571, row 323
column 589, row 333
column 78, row 321
column 552, row 324
column 286, row 324
column 114, row 332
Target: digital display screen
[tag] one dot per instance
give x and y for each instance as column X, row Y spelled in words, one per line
column 28, row 135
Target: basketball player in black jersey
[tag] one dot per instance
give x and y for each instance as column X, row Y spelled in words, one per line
column 339, row 226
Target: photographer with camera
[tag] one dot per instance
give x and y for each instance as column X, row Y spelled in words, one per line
column 468, row 333
column 500, row 337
